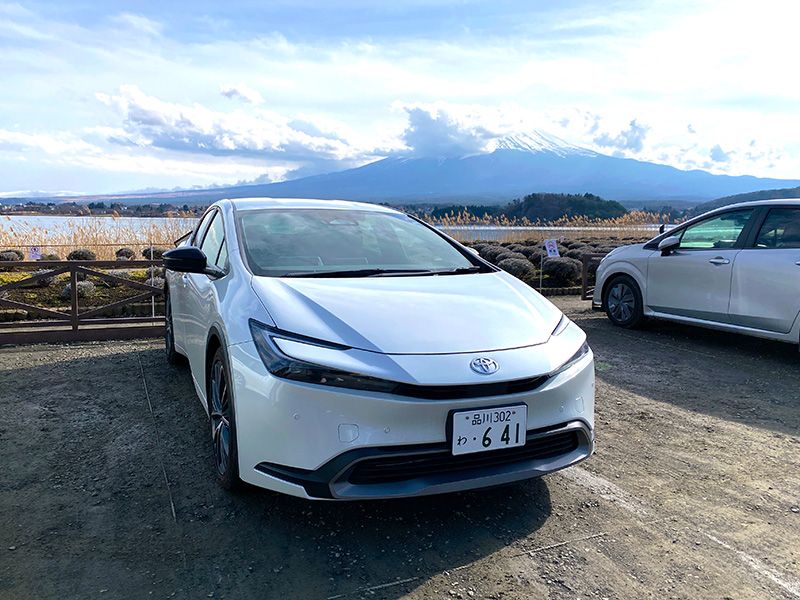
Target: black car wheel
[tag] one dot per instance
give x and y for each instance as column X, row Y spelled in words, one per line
column 223, row 424
column 623, row 302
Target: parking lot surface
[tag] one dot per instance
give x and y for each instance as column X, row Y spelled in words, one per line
column 107, row 489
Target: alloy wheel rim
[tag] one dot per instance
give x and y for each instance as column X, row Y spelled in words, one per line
column 621, row 302
column 220, row 417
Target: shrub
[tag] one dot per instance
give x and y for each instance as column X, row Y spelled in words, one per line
column 156, row 253
column 44, row 281
column 518, row 267
column 532, row 253
column 578, row 252
column 82, row 254
column 563, row 271
column 117, row 273
column 50, row 257
column 125, row 254
column 85, row 290
column 7, row 257
column 155, row 282
column 507, row 255
column 491, row 251
column 17, row 254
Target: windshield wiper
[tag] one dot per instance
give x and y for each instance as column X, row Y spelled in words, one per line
column 359, row 273
column 458, row 271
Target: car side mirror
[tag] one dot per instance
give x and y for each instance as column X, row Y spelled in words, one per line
column 669, row 245
column 473, row 250
column 186, row 259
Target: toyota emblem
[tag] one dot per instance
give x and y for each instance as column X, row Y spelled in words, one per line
column 484, row 366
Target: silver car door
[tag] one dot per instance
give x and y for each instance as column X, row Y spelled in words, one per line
column 765, row 293
column 695, row 280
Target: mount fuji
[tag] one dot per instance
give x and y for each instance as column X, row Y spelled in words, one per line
column 511, row 167
column 508, row 168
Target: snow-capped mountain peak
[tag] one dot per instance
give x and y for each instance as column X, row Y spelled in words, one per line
column 537, row 141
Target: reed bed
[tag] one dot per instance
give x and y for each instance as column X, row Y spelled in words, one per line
column 94, row 234
column 97, row 235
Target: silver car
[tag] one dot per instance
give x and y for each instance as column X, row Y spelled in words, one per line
column 735, row 269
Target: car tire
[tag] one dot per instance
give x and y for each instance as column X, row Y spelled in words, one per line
column 622, row 300
column 223, row 422
column 173, row 356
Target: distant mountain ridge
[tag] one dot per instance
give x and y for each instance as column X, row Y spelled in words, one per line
column 513, row 167
column 748, row 197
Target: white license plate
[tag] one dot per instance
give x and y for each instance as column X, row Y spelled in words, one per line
column 489, row 429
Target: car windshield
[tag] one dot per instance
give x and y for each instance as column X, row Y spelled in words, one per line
column 335, row 242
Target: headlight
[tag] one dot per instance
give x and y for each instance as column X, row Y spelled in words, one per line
column 582, row 351
column 286, row 367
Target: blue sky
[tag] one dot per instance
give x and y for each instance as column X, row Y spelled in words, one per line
column 103, row 97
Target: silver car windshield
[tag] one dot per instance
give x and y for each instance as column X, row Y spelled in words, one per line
column 335, row 242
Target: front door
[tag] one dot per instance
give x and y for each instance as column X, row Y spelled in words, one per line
column 695, row 280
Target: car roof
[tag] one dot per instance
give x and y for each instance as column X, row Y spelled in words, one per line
column 244, row 204
column 771, row 202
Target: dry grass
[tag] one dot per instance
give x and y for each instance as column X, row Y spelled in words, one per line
column 94, row 234
column 635, row 218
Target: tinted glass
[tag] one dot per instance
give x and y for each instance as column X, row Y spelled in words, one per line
column 277, row 242
column 781, row 229
column 201, row 228
column 212, row 243
column 717, row 232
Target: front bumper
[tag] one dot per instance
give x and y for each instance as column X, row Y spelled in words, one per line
column 332, row 443
column 419, row 470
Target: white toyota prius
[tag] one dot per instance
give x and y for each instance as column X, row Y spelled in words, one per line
column 348, row 351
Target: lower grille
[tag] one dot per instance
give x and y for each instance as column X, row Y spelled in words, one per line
column 404, row 468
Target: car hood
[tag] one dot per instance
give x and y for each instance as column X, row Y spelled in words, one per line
column 412, row 315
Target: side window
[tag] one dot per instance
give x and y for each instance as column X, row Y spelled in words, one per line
column 717, row 233
column 781, row 229
column 201, row 228
column 214, row 241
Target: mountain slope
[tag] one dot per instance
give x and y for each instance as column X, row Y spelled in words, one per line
column 507, row 173
column 759, row 195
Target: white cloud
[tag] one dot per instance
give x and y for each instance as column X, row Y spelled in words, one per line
column 242, row 92
column 631, row 138
column 149, row 121
column 584, row 73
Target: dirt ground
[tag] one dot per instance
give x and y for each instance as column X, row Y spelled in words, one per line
column 694, row 491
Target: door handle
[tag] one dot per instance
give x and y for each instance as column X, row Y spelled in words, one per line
column 719, row 261
column 798, row 263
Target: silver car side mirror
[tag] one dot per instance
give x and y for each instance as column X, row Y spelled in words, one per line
column 669, row 244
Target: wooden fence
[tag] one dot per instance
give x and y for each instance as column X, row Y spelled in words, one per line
column 72, row 324
column 587, row 279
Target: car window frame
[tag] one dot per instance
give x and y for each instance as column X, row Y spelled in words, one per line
column 218, row 215
column 762, row 218
column 745, row 234
column 193, row 241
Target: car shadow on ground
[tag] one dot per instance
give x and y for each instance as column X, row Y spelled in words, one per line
column 734, row 377
column 99, row 476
